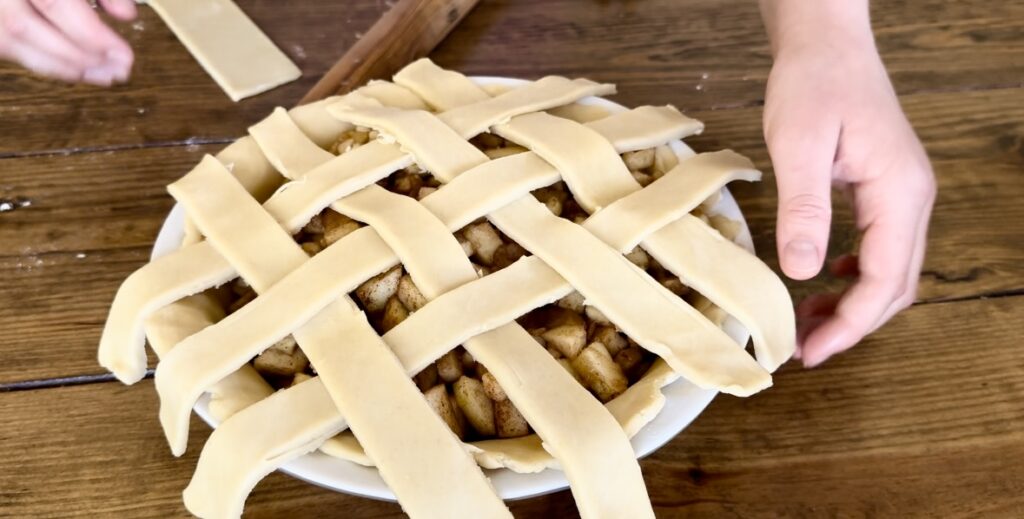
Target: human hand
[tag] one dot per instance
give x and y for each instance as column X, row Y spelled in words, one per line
column 832, row 119
column 66, row 39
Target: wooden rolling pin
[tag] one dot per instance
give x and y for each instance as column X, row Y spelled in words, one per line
column 407, row 32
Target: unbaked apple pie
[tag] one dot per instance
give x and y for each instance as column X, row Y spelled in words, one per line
column 432, row 277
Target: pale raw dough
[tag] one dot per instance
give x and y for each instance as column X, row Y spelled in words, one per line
column 580, row 112
column 173, row 323
column 346, row 446
column 580, row 471
column 609, row 485
column 666, row 327
column 250, row 166
column 633, row 409
column 353, row 206
column 639, row 305
column 247, row 447
column 202, row 184
column 363, row 378
column 286, row 146
column 548, row 92
column 642, row 126
column 360, row 373
column 236, row 53
column 158, row 284
column 294, row 298
column 470, row 310
column 436, row 86
column 197, row 267
column 630, row 218
column 726, row 274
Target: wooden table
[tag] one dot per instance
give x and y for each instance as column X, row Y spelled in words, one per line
column 925, row 418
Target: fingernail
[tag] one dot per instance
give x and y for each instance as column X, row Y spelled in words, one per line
column 802, row 255
column 119, row 55
column 98, row 75
column 121, row 75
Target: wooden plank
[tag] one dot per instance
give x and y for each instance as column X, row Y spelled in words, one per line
column 90, row 201
column 922, row 420
column 52, row 310
column 110, row 206
column 170, row 98
column 657, row 50
column 913, row 423
column 662, row 49
column 92, row 221
column 97, row 451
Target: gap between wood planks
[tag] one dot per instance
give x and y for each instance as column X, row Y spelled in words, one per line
column 193, row 141
column 146, row 250
column 74, row 380
column 77, row 380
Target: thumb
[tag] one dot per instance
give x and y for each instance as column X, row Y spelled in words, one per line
column 802, row 150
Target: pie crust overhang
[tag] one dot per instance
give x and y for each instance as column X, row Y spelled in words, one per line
column 244, row 204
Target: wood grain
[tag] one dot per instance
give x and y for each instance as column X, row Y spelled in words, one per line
column 923, row 419
column 914, row 423
column 92, row 222
column 98, row 451
column 920, row 420
column 408, row 31
column 169, row 98
column 109, row 207
column 663, row 49
column 655, row 49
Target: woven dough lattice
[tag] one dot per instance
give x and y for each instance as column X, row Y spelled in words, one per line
column 240, row 221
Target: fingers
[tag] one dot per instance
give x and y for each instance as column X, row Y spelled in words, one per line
column 77, row 20
column 123, row 10
column 26, row 27
column 816, row 309
column 42, row 63
column 802, row 147
column 914, row 272
column 810, row 314
column 887, row 254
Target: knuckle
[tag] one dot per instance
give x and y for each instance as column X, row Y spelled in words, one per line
column 922, row 185
column 929, row 189
column 900, row 291
column 905, row 302
column 907, row 295
column 888, row 284
column 896, row 290
column 807, row 207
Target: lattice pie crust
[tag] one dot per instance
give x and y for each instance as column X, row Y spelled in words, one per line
column 241, row 222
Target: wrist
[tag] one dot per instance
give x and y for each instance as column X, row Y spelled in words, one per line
column 795, row 25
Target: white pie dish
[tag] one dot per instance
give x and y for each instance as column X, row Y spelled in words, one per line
column 683, row 401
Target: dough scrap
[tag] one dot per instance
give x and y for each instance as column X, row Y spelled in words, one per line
column 228, row 45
